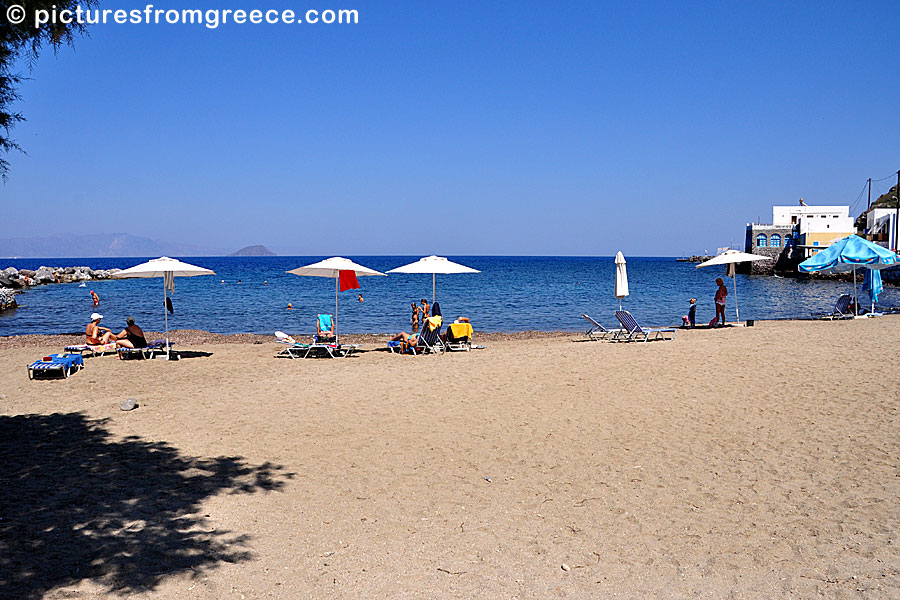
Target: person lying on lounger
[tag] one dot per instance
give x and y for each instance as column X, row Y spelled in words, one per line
column 132, row 336
column 413, row 338
column 96, row 335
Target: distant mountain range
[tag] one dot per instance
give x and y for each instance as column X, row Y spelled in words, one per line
column 253, row 251
column 97, row 245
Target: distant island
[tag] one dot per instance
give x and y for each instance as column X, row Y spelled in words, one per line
column 253, row 251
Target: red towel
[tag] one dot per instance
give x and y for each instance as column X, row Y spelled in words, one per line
column 348, row 280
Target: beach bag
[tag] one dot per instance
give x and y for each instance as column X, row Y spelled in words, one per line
column 714, row 322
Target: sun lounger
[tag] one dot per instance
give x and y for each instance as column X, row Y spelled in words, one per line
column 295, row 349
column 92, row 350
column 55, row 365
column 150, row 351
column 459, row 337
column 634, row 332
column 429, row 340
column 599, row 332
column 841, row 309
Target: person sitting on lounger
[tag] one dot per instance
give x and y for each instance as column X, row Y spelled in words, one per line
column 447, row 336
column 96, row 335
column 325, row 328
column 132, row 336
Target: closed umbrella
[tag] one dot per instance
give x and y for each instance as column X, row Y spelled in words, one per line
column 848, row 254
column 732, row 257
column 621, row 278
column 168, row 269
column 872, row 284
column 332, row 267
column 434, row 265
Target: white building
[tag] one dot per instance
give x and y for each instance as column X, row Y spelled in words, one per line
column 815, row 227
column 880, row 225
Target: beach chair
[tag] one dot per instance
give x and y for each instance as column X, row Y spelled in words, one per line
column 429, row 340
column 599, row 332
column 459, row 337
column 295, row 349
column 149, row 351
column 92, row 350
column 634, row 332
column 841, row 309
column 56, row 365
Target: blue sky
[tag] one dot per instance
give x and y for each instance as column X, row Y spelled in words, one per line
column 461, row 127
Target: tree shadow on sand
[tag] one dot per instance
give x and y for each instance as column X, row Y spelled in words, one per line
column 77, row 504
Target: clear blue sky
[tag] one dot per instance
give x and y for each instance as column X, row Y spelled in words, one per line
column 461, row 127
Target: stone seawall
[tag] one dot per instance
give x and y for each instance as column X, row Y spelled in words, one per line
column 12, row 278
column 13, row 281
column 7, row 299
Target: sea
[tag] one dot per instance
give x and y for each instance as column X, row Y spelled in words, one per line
column 512, row 293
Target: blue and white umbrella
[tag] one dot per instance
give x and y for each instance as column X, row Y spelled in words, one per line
column 848, row 254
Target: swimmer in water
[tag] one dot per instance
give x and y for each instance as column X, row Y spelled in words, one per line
column 360, row 298
column 95, row 298
column 290, row 306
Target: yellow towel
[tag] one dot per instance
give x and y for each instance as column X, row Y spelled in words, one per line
column 461, row 330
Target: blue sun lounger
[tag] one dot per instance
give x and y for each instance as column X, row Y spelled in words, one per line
column 634, row 332
column 841, row 309
column 429, row 340
column 599, row 332
column 55, row 365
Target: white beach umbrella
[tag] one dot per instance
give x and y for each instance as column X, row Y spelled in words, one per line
column 166, row 268
column 732, row 257
column 434, row 264
column 332, row 267
column 621, row 278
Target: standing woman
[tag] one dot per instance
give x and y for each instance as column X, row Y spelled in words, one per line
column 721, row 296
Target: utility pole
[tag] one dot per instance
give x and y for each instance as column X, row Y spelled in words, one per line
column 897, row 212
column 870, row 195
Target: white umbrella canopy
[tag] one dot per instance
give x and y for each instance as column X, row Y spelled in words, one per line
column 332, row 267
column 158, row 267
column 167, row 268
column 434, row 265
column 731, row 257
column 621, row 278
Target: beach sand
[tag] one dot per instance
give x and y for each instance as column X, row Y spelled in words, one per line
column 757, row 462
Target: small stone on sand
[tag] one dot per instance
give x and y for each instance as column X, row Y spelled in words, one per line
column 129, row 404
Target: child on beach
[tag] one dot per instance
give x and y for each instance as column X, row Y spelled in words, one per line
column 415, row 317
column 690, row 319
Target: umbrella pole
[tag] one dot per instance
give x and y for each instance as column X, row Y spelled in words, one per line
column 737, row 309
column 336, row 281
column 166, row 315
column 855, row 297
column 432, row 288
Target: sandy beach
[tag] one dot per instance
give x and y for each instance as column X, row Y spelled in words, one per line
column 757, row 462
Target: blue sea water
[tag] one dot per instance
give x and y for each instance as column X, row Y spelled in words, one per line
column 510, row 294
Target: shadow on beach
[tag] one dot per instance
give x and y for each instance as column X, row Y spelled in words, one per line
column 77, row 504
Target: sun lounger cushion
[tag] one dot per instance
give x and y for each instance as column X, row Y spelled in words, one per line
column 93, row 349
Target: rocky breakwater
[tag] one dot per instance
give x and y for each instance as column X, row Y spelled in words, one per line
column 14, row 280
